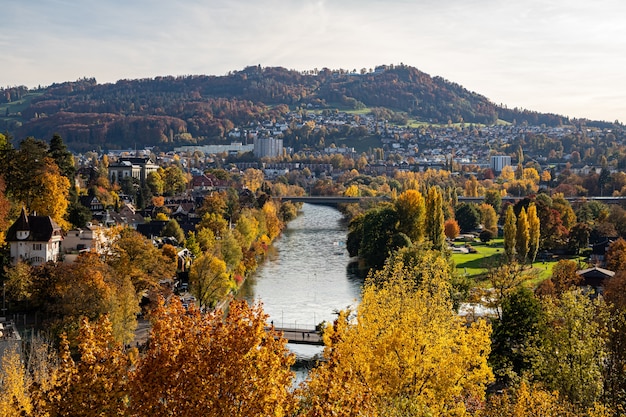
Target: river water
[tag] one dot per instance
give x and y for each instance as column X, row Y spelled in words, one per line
column 305, row 279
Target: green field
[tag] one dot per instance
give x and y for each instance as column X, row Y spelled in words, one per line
column 475, row 265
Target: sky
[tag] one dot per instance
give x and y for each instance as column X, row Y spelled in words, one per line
column 557, row 56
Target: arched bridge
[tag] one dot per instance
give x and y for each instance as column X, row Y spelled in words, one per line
column 328, row 200
column 334, row 200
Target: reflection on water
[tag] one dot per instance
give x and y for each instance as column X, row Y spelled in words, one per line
column 305, row 278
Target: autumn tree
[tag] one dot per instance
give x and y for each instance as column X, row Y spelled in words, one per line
column 5, row 206
column 210, row 282
column 155, row 182
column 405, row 353
column 522, row 236
column 489, row 218
column 96, row 383
column 252, row 179
column 411, row 210
column 615, row 362
column 471, row 187
column 174, row 180
column 133, row 255
column 212, row 365
column 564, row 276
column 15, row 398
column 451, row 229
column 567, row 214
column 530, row 400
column 434, row 219
column 616, row 255
column 51, row 193
column 510, row 233
column 534, row 232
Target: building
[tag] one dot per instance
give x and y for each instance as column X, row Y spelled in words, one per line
column 135, row 167
column 91, row 238
column 268, row 147
column 498, row 162
column 595, row 278
column 34, row 239
column 233, row 147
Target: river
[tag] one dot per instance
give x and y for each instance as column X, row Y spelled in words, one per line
column 305, row 279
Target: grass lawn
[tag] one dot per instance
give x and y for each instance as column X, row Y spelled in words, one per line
column 475, row 265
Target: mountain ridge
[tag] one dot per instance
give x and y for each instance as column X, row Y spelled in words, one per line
column 200, row 109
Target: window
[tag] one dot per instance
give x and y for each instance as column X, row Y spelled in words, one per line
column 37, row 246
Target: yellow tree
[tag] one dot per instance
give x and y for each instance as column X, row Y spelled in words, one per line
column 15, row 400
column 51, row 198
column 272, row 222
column 534, row 232
column 522, row 237
column 212, row 365
column 527, row 401
column 411, row 209
column 252, row 179
column 471, row 187
column 406, row 352
column 489, row 218
column 95, row 385
column 510, row 233
column 210, row 283
column 433, row 223
column 133, row 255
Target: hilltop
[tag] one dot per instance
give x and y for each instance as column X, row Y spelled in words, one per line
column 200, row 109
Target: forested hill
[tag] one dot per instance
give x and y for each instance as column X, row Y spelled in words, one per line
column 169, row 111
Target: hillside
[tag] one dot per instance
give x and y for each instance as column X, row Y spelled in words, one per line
column 171, row 111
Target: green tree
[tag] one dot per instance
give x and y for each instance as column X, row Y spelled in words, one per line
column 173, row 229
column 515, row 333
column 571, row 352
column 378, row 229
column 62, row 157
column 510, row 233
column 494, row 199
column 467, row 216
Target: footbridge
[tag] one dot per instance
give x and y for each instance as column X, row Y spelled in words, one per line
column 301, row 336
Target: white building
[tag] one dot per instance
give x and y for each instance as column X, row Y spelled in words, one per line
column 498, row 162
column 91, row 238
column 34, row 239
column 268, row 147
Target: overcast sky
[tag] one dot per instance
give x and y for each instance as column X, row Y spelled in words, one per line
column 559, row 56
